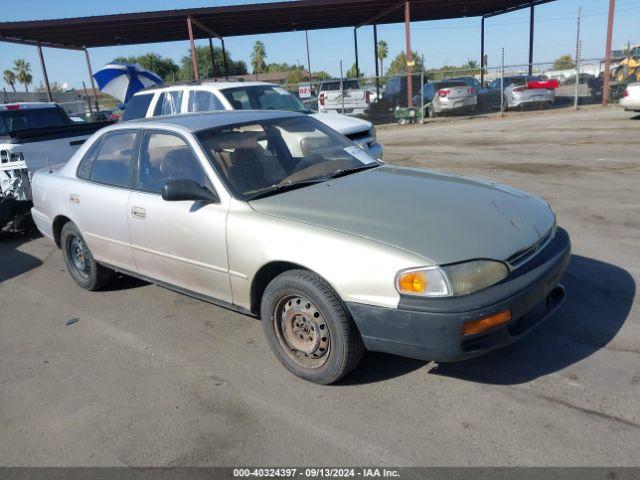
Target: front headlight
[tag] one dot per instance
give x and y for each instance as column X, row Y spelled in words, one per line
column 451, row 280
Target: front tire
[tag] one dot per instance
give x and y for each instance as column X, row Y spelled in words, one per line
column 309, row 328
column 81, row 265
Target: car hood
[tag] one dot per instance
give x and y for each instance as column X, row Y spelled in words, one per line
column 443, row 218
column 342, row 123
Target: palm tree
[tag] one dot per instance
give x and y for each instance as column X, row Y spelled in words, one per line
column 257, row 58
column 10, row 78
column 23, row 72
column 383, row 51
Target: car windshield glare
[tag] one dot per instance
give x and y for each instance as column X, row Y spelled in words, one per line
column 263, row 97
column 263, row 156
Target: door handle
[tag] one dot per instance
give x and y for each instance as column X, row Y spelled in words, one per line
column 138, row 212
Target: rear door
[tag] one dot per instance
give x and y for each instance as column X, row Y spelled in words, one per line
column 99, row 200
column 182, row 244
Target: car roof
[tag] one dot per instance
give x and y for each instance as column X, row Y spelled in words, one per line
column 204, row 120
column 204, row 83
column 27, row 105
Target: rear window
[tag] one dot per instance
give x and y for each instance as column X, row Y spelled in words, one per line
column 449, row 84
column 335, row 85
column 137, row 107
column 32, row 118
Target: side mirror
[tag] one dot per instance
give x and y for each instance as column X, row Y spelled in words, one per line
column 187, row 190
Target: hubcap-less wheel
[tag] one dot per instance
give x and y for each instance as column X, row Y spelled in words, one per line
column 77, row 251
column 302, row 331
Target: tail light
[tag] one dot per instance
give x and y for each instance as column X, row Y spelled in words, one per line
column 519, row 89
column 367, row 96
column 443, row 93
column 471, row 90
column 321, row 99
column 626, row 93
column 13, row 107
column 543, row 84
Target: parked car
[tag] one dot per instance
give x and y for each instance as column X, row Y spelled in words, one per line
column 483, row 92
column 33, row 135
column 523, row 90
column 345, row 97
column 276, row 215
column 631, row 98
column 395, row 91
column 448, row 96
column 207, row 96
column 584, row 78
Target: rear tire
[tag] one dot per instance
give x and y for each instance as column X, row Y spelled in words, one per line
column 431, row 111
column 81, row 265
column 309, row 328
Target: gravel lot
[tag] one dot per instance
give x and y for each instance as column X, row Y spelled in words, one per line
column 151, row 377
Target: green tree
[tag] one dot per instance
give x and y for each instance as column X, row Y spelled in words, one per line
column 321, row 75
column 471, row 65
column 398, row 65
column 297, row 76
column 564, row 62
column 282, row 67
column 166, row 68
column 204, row 64
column 258, row 56
column 23, row 72
column 383, row 52
column 10, row 78
column 351, row 73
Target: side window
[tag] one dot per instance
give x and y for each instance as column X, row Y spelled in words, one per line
column 86, row 164
column 168, row 103
column 137, row 106
column 240, row 100
column 112, row 163
column 203, row 101
column 165, row 157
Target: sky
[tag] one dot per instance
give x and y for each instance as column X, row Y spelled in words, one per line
column 451, row 42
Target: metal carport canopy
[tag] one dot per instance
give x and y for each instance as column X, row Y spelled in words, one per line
column 248, row 19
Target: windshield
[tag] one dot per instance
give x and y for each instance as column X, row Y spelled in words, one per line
column 269, row 156
column 263, row 97
column 31, row 118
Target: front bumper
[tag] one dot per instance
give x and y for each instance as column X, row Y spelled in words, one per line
column 430, row 329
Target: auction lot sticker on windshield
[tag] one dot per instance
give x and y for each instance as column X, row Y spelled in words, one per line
column 359, row 154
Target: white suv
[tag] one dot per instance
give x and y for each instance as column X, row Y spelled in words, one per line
column 207, row 96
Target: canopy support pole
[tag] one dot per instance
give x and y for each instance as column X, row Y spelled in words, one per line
column 224, row 58
column 306, row 36
column 482, row 65
column 531, row 33
column 213, row 58
column 607, row 57
column 93, row 84
column 194, row 57
column 355, row 45
column 407, row 34
column 375, row 57
column 44, row 73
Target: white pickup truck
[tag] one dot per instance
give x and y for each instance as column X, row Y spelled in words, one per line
column 33, row 135
column 346, row 97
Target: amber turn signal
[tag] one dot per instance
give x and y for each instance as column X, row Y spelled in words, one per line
column 486, row 323
column 413, row 282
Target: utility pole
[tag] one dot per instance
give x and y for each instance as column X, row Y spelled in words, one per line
column 607, row 61
column 578, row 45
column 306, row 36
column 502, row 85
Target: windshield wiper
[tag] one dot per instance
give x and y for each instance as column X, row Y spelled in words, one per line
column 349, row 171
column 284, row 187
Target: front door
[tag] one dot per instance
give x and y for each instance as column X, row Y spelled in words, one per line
column 183, row 243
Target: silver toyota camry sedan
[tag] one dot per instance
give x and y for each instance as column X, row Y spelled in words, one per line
column 275, row 215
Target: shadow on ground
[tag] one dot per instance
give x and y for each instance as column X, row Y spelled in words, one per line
column 599, row 298
column 13, row 262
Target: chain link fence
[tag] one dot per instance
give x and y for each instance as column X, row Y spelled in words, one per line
column 462, row 92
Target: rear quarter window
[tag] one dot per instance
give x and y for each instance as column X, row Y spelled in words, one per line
column 137, row 107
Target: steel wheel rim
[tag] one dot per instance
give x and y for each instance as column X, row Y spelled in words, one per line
column 302, row 331
column 78, row 253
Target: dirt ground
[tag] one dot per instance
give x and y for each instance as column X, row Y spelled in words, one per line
column 149, row 377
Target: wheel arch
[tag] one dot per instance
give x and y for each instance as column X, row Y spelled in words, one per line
column 56, row 228
column 267, row 273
